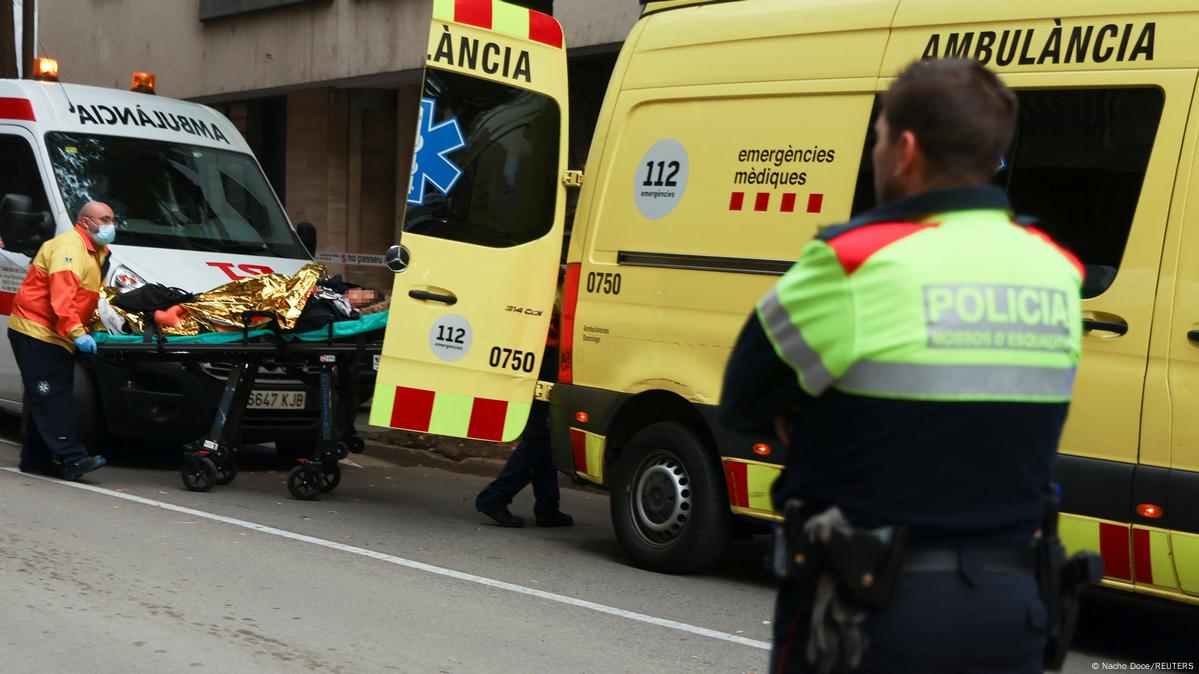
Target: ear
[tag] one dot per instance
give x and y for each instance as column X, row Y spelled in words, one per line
column 909, row 158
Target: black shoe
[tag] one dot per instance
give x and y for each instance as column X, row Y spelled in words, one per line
column 555, row 519
column 504, row 518
column 77, row 469
column 47, row 469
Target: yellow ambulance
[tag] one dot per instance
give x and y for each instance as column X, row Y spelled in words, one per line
column 730, row 132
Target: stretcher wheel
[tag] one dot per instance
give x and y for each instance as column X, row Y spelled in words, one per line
column 356, row 444
column 305, row 482
column 199, row 472
column 227, row 471
column 331, row 478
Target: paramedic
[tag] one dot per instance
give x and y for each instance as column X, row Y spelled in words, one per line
column 530, row 462
column 918, row 361
column 51, row 313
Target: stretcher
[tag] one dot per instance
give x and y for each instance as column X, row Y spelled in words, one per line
column 338, row 353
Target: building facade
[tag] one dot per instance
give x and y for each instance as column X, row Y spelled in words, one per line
column 325, row 91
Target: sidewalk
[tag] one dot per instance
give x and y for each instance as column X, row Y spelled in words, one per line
column 418, row 449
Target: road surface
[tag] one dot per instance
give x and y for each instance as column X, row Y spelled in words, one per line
column 393, row 572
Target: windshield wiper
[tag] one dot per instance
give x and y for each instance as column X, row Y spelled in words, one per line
column 231, row 247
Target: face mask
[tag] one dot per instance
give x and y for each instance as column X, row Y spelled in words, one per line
column 105, row 235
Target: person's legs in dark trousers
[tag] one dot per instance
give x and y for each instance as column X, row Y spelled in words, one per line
column 48, row 373
column 541, row 465
column 35, row 455
column 969, row 621
column 531, row 461
column 938, row 622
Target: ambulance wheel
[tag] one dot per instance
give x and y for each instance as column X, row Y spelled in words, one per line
column 331, row 478
column 668, row 502
column 305, row 482
column 199, row 472
column 226, row 472
column 89, row 421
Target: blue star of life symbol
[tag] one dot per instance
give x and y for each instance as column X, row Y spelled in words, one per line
column 429, row 162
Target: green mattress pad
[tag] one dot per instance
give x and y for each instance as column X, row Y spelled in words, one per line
column 341, row 329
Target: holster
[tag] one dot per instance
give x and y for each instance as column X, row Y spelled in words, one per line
column 841, row 573
column 864, row 562
column 1058, row 581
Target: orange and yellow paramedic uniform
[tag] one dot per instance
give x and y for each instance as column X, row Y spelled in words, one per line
column 58, row 297
column 55, row 304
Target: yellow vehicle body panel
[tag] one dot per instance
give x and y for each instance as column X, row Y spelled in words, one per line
column 1170, row 435
column 469, row 317
column 707, row 84
column 730, row 132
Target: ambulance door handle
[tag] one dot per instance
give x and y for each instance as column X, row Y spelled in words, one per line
column 1193, row 335
column 1119, row 327
column 427, row 296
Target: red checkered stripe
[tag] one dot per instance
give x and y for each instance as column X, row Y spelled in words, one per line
column 1130, row 553
column 587, row 449
column 533, row 25
column 788, row 202
column 749, row 484
column 413, row 409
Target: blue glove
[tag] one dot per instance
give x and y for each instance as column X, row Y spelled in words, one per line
column 85, row 344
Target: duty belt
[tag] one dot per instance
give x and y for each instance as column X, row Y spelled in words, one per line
column 1010, row 560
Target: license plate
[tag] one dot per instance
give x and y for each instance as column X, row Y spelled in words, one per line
column 276, row 400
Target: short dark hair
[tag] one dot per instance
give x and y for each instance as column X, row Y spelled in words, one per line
column 963, row 117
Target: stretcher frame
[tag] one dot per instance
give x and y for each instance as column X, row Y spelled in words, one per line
column 214, row 458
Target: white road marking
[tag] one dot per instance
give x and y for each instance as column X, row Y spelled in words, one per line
column 412, row 564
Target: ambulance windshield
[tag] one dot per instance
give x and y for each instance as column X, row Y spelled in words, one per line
column 169, row 195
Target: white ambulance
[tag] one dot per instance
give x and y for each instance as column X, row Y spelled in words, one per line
column 193, row 211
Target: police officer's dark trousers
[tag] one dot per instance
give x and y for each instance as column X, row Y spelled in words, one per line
column 531, row 461
column 48, row 373
column 966, row 621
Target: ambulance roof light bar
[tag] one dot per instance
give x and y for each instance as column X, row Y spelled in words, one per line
column 45, row 69
column 144, row 83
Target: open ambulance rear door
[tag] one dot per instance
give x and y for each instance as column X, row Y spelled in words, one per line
column 483, row 227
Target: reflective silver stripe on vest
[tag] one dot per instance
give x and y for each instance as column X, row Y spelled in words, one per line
column 959, row 381
column 797, row 352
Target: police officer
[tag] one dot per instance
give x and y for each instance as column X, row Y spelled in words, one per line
column 50, row 316
column 919, row 361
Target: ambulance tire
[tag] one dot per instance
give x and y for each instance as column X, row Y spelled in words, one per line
column 89, row 421
column 668, row 505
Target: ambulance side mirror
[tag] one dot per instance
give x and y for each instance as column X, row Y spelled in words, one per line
column 397, row 258
column 307, row 233
column 23, row 229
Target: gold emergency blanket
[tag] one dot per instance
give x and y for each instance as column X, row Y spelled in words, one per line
column 221, row 309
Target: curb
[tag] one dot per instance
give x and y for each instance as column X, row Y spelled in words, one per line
column 427, row 458
column 472, row 457
column 473, row 465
